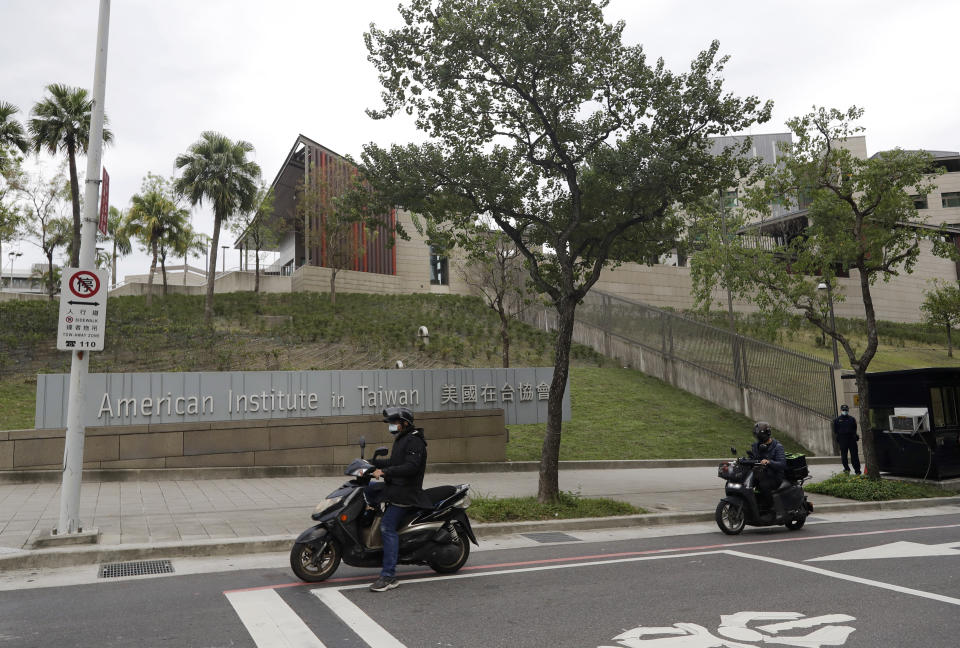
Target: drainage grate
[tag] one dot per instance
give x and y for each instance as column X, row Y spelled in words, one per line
column 551, row 536
column 135, row 568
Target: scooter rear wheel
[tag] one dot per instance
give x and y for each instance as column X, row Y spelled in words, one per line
column 312, row 568
column 795, row 523
column 731, row 518
column 449, row 567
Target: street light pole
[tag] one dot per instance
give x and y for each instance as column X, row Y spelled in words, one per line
column 224, row 264
column 69, row 521
column 833, row 324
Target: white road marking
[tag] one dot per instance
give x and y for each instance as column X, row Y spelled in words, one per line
column 896, row 550
column 270, row 621
column 847, row 577
column 358, row 621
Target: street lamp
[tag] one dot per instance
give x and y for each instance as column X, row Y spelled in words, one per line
column 224, row 265
column 833, row 326
column 12, row 255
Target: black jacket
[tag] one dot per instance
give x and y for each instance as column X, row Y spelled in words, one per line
column 844, row 426
column 774, row 452
column 403, row 470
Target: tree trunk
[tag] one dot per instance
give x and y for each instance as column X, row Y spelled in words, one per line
column 75, row 198
column 256, row 270
column 860, row 369
column 333, row 286
column 163, row 272
column 949, row 342
column 113, row 265
column 153, row 269
column 212, row 271
column 549, row 487
column 504, row 336
column 51, row 289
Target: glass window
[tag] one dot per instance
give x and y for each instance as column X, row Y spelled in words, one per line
column 936, row 400
column 439, row 272
column 919, row 202
column 950, row 198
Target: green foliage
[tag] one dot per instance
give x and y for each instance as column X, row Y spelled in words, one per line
column 857, row 487
column 568, row 506
column 624, row 414
column 17, row 398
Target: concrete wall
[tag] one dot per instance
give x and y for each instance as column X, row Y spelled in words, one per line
column 452, row 437
column 10, row 295
column 233, row 281
column 808, row 428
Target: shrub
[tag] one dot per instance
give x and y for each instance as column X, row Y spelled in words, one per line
column 857, row 487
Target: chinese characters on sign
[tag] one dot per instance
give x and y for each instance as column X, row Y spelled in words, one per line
column 472, row 394
column 83, row 310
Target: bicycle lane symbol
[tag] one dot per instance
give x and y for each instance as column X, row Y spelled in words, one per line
column 84, row 284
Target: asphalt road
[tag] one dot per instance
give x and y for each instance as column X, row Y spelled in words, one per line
column 657, row 588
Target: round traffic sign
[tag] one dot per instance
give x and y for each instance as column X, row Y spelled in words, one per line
column 84, row 284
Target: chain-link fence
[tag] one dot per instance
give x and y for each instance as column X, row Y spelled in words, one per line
column 785, row 375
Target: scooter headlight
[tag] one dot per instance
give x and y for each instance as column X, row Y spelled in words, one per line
column 327, row 504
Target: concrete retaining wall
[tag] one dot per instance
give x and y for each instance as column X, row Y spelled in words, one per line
column 452, row 437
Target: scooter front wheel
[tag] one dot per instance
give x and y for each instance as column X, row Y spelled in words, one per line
column 795, row 523
column 731, row 518
column 312, row 566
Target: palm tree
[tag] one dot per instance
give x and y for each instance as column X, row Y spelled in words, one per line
column 12, row 135
column 118, row 235
column 61, row 122
column 152, row 215
column 217, row 169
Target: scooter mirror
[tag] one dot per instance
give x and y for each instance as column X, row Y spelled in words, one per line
column 380, row 452
column 733, row 450
column 363, row 444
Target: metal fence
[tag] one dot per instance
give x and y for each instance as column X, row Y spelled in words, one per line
column 780, row 373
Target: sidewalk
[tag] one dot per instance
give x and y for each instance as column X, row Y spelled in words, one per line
column 177, row 517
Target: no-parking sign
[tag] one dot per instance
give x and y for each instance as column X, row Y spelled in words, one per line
column 83, row 310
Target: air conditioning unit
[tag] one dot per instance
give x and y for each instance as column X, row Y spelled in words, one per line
column 909, row 420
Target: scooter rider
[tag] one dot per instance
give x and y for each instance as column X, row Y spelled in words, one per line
column 771, row 454
column 402, row 473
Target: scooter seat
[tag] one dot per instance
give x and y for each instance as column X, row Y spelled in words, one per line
column 439, row 493
column 784, row 485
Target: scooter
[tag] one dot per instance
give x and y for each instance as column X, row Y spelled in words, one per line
column 742, row 506
column 348, row 529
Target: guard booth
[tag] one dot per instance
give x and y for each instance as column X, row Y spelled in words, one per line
column 916, row 421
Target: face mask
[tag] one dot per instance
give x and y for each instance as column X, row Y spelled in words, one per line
column 394, row 428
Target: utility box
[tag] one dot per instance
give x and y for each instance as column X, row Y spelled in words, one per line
column 916, row 421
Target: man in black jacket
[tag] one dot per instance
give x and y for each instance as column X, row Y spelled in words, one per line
column 845, row 432
column 771, row 454
column 402, row 473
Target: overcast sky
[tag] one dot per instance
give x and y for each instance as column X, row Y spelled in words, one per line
column 267, row 71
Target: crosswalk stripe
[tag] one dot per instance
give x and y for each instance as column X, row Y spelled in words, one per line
column 270, row 621
column 369, row 630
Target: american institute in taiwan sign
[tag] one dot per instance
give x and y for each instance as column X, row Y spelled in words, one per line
column 144, row 398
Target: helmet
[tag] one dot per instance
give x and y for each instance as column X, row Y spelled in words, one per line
column 394, row 414
column 844, row 408
column 761, row 431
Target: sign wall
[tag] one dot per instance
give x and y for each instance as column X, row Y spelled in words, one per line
column 144, row 398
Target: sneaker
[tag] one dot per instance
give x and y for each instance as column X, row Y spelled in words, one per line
column 383, row 584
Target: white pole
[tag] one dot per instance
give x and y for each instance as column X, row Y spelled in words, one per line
column 73, row 445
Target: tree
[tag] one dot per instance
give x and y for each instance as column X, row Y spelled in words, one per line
column 494, row 268
column 41, row 200
column 861, row 221
column 217, row 169
column 12, row 136
column 941, row 307
column 12, row 217
column 542, row 120
column 119, row 237
column 61, row 122
column 179, row 239
column 258, row 227
column 154, row 216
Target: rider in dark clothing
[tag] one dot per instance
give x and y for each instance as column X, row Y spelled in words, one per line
column 402, row 473
column 845, row 433
column 769, row 452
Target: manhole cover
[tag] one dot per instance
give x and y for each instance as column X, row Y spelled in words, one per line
column 551, row 536
column 135, row 568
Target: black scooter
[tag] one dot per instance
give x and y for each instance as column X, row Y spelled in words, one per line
column 348, row 529
column 742, row 506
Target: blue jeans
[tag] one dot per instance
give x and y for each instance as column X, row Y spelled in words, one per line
column 391, row 540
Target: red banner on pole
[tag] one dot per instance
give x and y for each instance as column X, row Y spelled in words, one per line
column 104, row 201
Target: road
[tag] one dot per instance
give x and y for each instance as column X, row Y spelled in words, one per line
column 850, row 580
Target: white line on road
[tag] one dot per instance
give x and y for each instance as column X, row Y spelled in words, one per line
column 847, row 577
column 357, row 620
column 270, row 621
